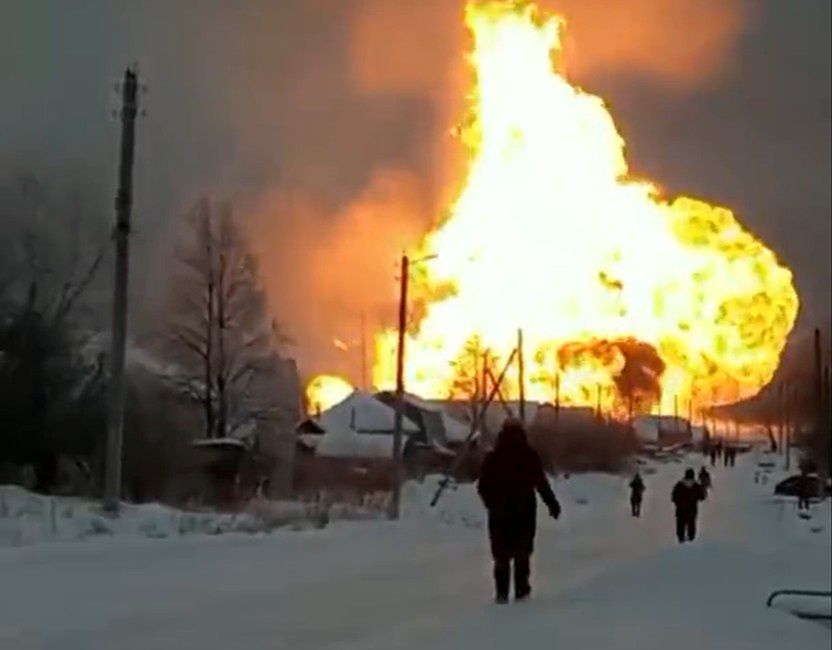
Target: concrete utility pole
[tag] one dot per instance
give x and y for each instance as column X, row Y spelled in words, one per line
column 397, row 424
column 121, row 234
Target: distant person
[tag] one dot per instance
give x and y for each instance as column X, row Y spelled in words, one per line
column 636, row 493
column 805, row 490
column 509, row 477
column 686, row 496
column 713, row 454
column 727, row 455
column 705, row 480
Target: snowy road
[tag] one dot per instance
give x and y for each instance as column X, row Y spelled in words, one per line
column 602, row 580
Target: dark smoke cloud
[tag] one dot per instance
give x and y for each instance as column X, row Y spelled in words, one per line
column 327, row 122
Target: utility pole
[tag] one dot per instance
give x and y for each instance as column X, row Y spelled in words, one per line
column 365, row 385
column 787, row 426
column 557, row 397
column 397, row 423
column 818, row 392
column 521, row 377
column 118, row 340
column 781, row 425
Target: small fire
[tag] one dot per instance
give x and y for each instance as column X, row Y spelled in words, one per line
column 325, row 391
column 623, row 295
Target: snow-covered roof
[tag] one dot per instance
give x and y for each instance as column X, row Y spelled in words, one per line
column 647, row 426
column 363, row 413
column 219, row 442
column 310, row 440
column 455, row 431
column 346, row 443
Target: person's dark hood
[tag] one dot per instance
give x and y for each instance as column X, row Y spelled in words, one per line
column 512, row 438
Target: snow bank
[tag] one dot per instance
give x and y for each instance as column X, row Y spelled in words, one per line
column 29, row 518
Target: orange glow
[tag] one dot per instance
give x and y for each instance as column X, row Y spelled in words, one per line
column 325, row 391
column 624, row 296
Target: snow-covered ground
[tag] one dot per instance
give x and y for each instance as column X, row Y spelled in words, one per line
column 601, row 578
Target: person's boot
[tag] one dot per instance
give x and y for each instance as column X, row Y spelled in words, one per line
column 502, row 575
column 522, row 569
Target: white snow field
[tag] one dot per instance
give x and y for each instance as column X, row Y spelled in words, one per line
column 601, row 580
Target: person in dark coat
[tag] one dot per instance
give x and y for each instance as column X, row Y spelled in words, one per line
column 509, row 478
column 705, row 480
column 805, row 490
column 636, row 493
column 686, row 496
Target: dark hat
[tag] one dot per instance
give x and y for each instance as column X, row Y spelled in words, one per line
column 689, row 473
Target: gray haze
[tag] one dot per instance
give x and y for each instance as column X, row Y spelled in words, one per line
column 249, row 98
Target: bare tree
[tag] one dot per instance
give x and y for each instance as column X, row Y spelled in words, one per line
column 219, row 326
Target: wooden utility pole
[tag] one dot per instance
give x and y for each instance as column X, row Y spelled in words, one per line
column 557, row 396
column 521, row 377
column 461, row 456
column 781, row 417
column 818, row 392
column 118, row 335
column 787, row 426
column 397, row 423
column 365, row 384
column 483, row 394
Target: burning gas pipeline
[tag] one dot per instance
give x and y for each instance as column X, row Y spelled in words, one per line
column 625, row 297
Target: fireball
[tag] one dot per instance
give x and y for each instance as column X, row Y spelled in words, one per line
column 625, row 297
column 325, row 391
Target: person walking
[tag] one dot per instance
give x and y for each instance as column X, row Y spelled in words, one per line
column 636, row 493
column 686, row 496
column 509, row 478
column 705, row 480
column 805, row 490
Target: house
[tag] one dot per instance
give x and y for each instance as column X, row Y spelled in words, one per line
column 362, row 426
column 349, row 448
column 663, row 430
column 437, row 428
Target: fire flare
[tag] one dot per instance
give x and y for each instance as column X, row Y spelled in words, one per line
column 623, row 295
column 325, row 391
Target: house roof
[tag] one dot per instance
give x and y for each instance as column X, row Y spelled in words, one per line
column 363, row 413
column 219, row 443
column 440, row 427
column 346, row 443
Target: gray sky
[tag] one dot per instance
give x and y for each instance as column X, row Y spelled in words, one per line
column 249, row 98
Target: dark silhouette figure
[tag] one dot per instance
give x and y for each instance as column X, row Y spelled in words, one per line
column 636, row 492
column 713, row 454
column 509, row 477
column 805, row 490
column 705, row 480
column 686, row 496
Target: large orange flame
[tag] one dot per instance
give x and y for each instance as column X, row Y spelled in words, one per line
column 622, row 295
